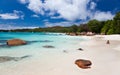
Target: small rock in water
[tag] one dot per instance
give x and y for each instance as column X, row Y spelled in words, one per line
column 15, row 42
column 7, row 58
column 80, row 49
column 42, row 41
column 84, row 64
column 25, row 56
column 65, row 51
column 48, row 46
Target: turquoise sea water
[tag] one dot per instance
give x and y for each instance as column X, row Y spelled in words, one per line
column 35, row 43
column 41, row 59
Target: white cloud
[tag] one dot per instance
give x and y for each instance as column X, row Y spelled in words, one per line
column 36, row 6
column 8, row 16
column 56, row 17
column 101, row 16
column 64, row 23
column 19, row 27
column 12, row 26
column 70, row 10
column 92, row 5
column 49, row 24
column 14, row 15
column 67, row 9
column 36, row 16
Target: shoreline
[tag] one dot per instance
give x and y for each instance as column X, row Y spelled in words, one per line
column 105, row 59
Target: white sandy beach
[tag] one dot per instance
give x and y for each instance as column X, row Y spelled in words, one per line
column 105, row 60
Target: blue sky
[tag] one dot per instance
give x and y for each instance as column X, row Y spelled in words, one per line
column 44, row 13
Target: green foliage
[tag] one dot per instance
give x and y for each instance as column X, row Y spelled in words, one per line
column 110, row 31
column 83, row 28
column 117, row 26
column 117, row 16
column 94, row 26
column 74, row 28
column 117, row 23
column 106, row 27
column 112, row 26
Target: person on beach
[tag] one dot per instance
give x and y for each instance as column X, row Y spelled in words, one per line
column 108, row 42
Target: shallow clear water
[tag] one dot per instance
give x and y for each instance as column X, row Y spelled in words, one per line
column 36, row 41
column 41, row 59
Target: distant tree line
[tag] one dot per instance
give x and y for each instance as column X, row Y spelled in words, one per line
column 98, row 27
